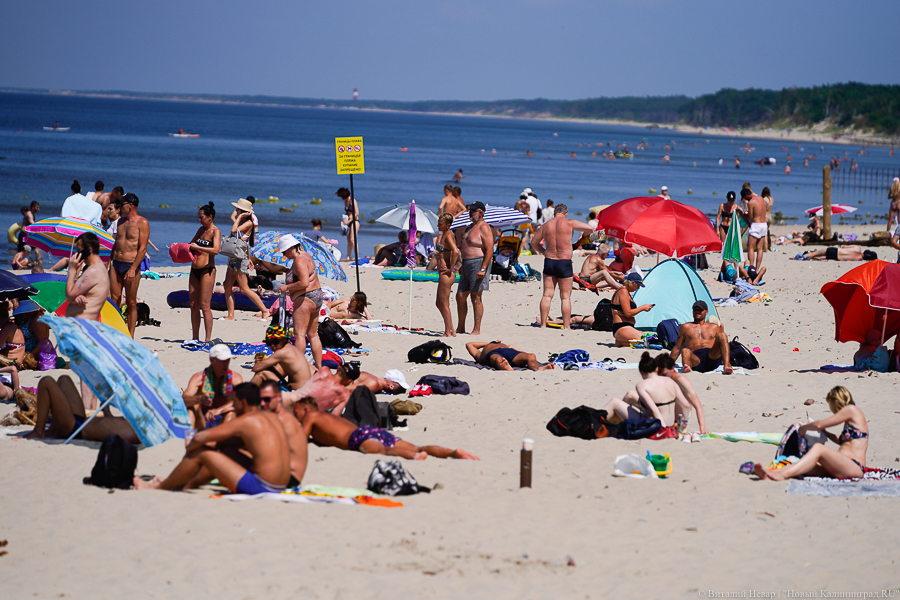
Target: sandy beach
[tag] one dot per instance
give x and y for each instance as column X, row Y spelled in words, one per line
column 579, row 532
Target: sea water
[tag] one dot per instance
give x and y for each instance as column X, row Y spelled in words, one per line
column 289, row 153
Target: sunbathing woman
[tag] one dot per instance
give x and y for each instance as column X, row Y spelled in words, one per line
column 12, row 342
column 350, row 307
column 848, row 461
column 624, row 310
column 504, row 357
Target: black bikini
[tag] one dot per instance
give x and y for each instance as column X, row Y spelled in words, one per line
column 618, row 326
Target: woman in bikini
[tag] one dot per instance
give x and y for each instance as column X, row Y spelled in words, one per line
column 447, row 255
column 725, row 214
column 624, row 310
column 894, row 197
column 302, row 283
column 12, row 341
column 848, row 461
column 238, row 269
column 654, row 397
column 205, row 244
column 350, row 223
column 350, row 307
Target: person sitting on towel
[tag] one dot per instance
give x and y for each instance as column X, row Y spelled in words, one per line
column 209, row 393
column 653, row 397
column 854, row 253
column 504, row 357
column 329, row 430
column 287, row 364
column 665, row 367
column 270, row 400
column 392, row 254
column 702, row 346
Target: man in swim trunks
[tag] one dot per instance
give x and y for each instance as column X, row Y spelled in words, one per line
column 854, row 253
column 329, row 430
column 256, row 462
column 306, row 294
column 210, row 393
column 756, row 216
column 476, row 246
column 702, row 346
column 286, row 365
column 556, row 235
column 270, row 399
column 129, row 250
column 504, row 357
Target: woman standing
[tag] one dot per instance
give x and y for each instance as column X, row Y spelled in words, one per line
column 302, row 283
column 350, row 222
column 770, row 202
column 725, row 214
column 894, row 197
column 624, row 310
column 239, row 268
column 205, row 244
column 447, row 255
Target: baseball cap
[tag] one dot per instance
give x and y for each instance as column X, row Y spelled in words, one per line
column 699, row 305
column 664, row 188
column 731, row 195
column 287, row 242
column 751, row 271
column 476, row 206
column 397, row 377
column 331, row 360
column 220, row 352
column 636, row 278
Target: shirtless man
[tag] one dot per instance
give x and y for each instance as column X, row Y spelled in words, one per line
column 286, row 365
column 132, row 234
column 653, row 397
column 104, row 199
column 504, row 357
column 450, row 203
column 331, row 390
column 702, row 346
column 261, row 465
column 329, row 430
column 210, row 392
column 595, row 275
column 756, row 216
column 393, row 382
column 270, row 399
column 853, row 253
column 476, row 245
column 458, row 176
column 86, row 292
column 557, row 250
column 306, row 294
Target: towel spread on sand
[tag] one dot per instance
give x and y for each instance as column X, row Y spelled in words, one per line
column 746, row 436
column 321, row 494
column 874, row 482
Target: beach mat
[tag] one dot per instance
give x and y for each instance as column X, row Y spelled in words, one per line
column 875, row 482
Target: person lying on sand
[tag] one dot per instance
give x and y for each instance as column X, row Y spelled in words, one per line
column 393, row 382
column 350, row 307
column 504, row 357
column 209, row 393
column 653, row 397
column 270, row 399
column 848, row 461
column 329, row 430
column 287, row 364
column 257, row 461
column 702, row 346
column 62, row 401
column 852, row 253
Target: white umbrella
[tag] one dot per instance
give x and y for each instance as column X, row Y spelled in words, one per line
column 495, row 216
column 398, row 216
column 836, row 209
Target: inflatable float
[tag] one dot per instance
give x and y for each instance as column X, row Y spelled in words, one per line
column 13, row 232
column 403, row 275
column 181, row 299
column 109, row 315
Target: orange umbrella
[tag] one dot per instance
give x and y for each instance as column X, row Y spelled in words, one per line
column 865, row 298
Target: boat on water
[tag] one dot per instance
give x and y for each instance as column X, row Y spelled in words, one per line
column 184, row 135
column 56, row 128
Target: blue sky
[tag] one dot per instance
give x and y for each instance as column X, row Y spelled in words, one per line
column 437, row 49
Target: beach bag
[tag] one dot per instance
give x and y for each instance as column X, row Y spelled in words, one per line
column 444, row 385
column 603, row 317
column 391, row 479
column 434, row 351
column 46, row 356
column 583, row 422
column 115, row 466
column 638, row 429
column 364, row 411
column 740, row 355
column 792, row 443
column 333, row 335
column 233, row 247
column 667, row 333
column 571, row 356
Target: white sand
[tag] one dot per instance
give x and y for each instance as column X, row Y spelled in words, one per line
column 707, row 527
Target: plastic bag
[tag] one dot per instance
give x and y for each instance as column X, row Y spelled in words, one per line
column 634, row 465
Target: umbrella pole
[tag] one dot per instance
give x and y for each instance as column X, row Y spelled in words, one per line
column 884, row 326
column 88, row 420
column 410, row 297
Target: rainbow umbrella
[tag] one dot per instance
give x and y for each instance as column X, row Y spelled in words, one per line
column 266, row 249
column 123, row 373
column 57, row 236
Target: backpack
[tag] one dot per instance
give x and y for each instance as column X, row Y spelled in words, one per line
column 391, row 479
column 583, row 422
column 364, row 411
column 667, row 333
column 571, row 356
column 335, row 336
column 740, row 356
column 444, row 385
column 115, row 466
column 603, row 317
column 434, row 351
column 792, row 443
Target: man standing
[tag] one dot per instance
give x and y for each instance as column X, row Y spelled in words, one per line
column 534, row 204
column 86, row 292
column 98, row 189
column 702, row 346
column 132, row 234
column 476, row 244
column 756, row 216
column 79, row 207
column 664, row 193
column 557, row 250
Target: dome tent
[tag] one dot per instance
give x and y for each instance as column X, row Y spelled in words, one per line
column 673, row 286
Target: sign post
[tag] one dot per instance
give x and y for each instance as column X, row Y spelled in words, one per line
column 350, row 160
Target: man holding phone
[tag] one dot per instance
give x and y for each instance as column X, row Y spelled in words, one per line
column 88, row 288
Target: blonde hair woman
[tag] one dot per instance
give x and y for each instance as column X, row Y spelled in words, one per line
column 894, row 197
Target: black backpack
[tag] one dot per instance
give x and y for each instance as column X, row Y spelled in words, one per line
column 740, row 355
column 391, row 479
column 434, row 351
column 667, row 332
column 363, row 410
column 583, row 422
column 115, row 464
column 603, row 317
column 333, row 335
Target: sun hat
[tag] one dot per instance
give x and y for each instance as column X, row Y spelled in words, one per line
column 528, row 192
column 243, row 204
column 635, row 277
column 476, row 206
column 286, row 242
column 220, row 352
column 397, row 377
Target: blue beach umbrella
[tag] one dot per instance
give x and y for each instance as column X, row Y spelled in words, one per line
column 266, row 249
column 122, row 372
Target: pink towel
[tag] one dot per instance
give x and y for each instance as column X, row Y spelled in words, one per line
column 181, row 253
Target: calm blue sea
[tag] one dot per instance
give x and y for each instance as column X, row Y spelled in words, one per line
column 289, row 153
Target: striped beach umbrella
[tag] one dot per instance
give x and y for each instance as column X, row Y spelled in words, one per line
column 732, row 249
column 125, row 374
column 495, row 216
column 56, row 235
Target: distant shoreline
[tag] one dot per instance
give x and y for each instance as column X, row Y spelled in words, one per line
column 815, row 134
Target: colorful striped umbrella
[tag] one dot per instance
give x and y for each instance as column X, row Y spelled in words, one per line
column 122, row 372
column 495, row 216
column 732, row 249
column 57, row 236
column 266, row 249
column 836, row 209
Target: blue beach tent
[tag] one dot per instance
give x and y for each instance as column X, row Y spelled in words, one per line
column 673, row 286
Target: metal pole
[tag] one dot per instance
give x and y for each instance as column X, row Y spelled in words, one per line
column 826, row 202
column 355, row 225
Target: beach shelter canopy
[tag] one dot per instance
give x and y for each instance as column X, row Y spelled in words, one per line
column 51, row 289
column 865, row 298
column 669, row 227
column 398, row 216
column 836, row 209
column 673, row 286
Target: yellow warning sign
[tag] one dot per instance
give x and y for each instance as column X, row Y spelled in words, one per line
column 349, row 155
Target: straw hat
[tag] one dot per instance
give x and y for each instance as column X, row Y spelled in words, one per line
column 244, row 205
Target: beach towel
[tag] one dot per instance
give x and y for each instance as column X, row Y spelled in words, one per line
column 875, row 481
column 181, row 254
column 746, row 436
column 472, row 363
column 317, row 494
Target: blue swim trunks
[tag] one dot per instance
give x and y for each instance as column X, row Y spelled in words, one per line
column 252, row 485
column 362, row 434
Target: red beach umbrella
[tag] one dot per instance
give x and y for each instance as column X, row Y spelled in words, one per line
column 669, row 227
column 865, row 298
column 836, row 209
